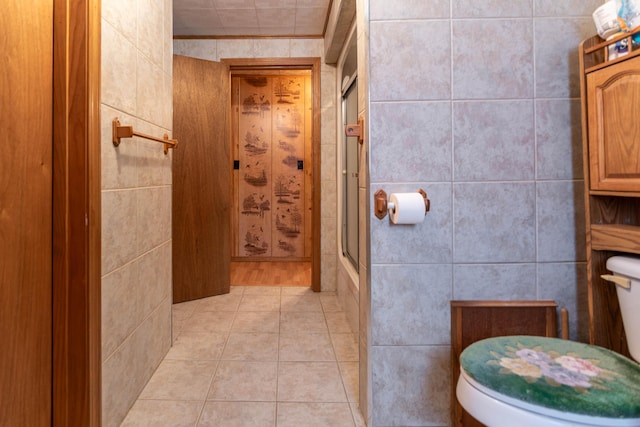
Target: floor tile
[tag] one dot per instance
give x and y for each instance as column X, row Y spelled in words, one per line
column 236, row 356
column 346, row 347
column 262, row 290
column 237, row 290
column 293, row 321
column 297, row 290
column 184, row 310
column 238, row 414
column 245, row 381
column 259, row 303
column 191, row 345
column 210, row 321
column 180, row 314
column 305, row 303
column 350, row 372
column 266, row 321
column 310, row 382
column 180, row 380
column 306, row 347
column 163, row 413
column 227, row 302
column 251, row 346
column 330, row 303
column 357, row 415
column 314, row 415
column 338, row 322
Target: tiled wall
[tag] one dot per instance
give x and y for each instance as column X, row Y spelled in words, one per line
column 477, row 102
column 136, row 199
column 214, row 50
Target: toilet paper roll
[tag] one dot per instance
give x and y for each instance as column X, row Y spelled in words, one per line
column 408, row 208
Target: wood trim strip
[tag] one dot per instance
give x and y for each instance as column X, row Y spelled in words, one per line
column 501, row 303
column 316, row 260
column 76, row 212
column 269, row 259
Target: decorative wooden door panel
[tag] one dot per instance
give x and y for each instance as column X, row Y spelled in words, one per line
column 272, row 134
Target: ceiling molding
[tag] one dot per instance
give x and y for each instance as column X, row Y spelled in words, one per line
column 284, row 36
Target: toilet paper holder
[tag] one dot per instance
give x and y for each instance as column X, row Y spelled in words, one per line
column 382, row 206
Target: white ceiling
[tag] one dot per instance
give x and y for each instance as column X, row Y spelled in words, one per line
column 250, row 17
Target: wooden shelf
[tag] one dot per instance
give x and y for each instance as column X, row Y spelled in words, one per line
column 615, row 237
column 608, row 193
column 595, row 51
column 610, row 94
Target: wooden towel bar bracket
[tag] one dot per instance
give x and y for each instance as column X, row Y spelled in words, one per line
column 120, row 132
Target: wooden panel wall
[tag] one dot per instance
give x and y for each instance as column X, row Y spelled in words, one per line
column 26, row 101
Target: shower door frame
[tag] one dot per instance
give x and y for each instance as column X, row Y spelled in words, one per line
column 312, row 64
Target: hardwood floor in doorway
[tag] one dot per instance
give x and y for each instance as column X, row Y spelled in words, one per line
column 271, row 273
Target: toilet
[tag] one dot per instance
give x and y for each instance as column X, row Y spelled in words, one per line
column 529, row 381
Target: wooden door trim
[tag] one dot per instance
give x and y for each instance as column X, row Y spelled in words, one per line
column 76, row 214
column 313, row 64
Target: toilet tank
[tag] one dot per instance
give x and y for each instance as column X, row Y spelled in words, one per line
column 629, row 299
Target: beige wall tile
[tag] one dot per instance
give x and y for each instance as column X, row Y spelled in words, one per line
column 235, row 49
column 118, row 228
column 118, row 164
column 266, row 48
column 153, row 217
column 121, row 309
column 307, row 48
column 127, row 370
column 149, row 91
column 136, row 206
column 121, row 14
column 202, row 49
column 151, row 27
column 118, row 70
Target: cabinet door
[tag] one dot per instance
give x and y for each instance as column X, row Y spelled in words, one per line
column 613, row 102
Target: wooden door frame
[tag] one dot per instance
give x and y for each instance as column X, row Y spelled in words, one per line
column 77, row 362
column 313, row 64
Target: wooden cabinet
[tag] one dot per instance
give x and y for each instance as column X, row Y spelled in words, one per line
column 610, row 92
column 613, row 97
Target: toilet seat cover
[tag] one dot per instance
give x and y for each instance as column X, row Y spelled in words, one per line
column 560, row 375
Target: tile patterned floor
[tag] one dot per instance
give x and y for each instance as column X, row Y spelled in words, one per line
column 258, row 356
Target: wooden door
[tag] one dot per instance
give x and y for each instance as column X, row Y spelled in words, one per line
column 201, row 179
column 613, row 99
column 26, row 107
column 272, row 135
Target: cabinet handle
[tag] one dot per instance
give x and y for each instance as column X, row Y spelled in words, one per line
column 618, row 280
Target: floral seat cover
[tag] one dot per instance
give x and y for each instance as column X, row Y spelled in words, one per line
column 557, row 374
